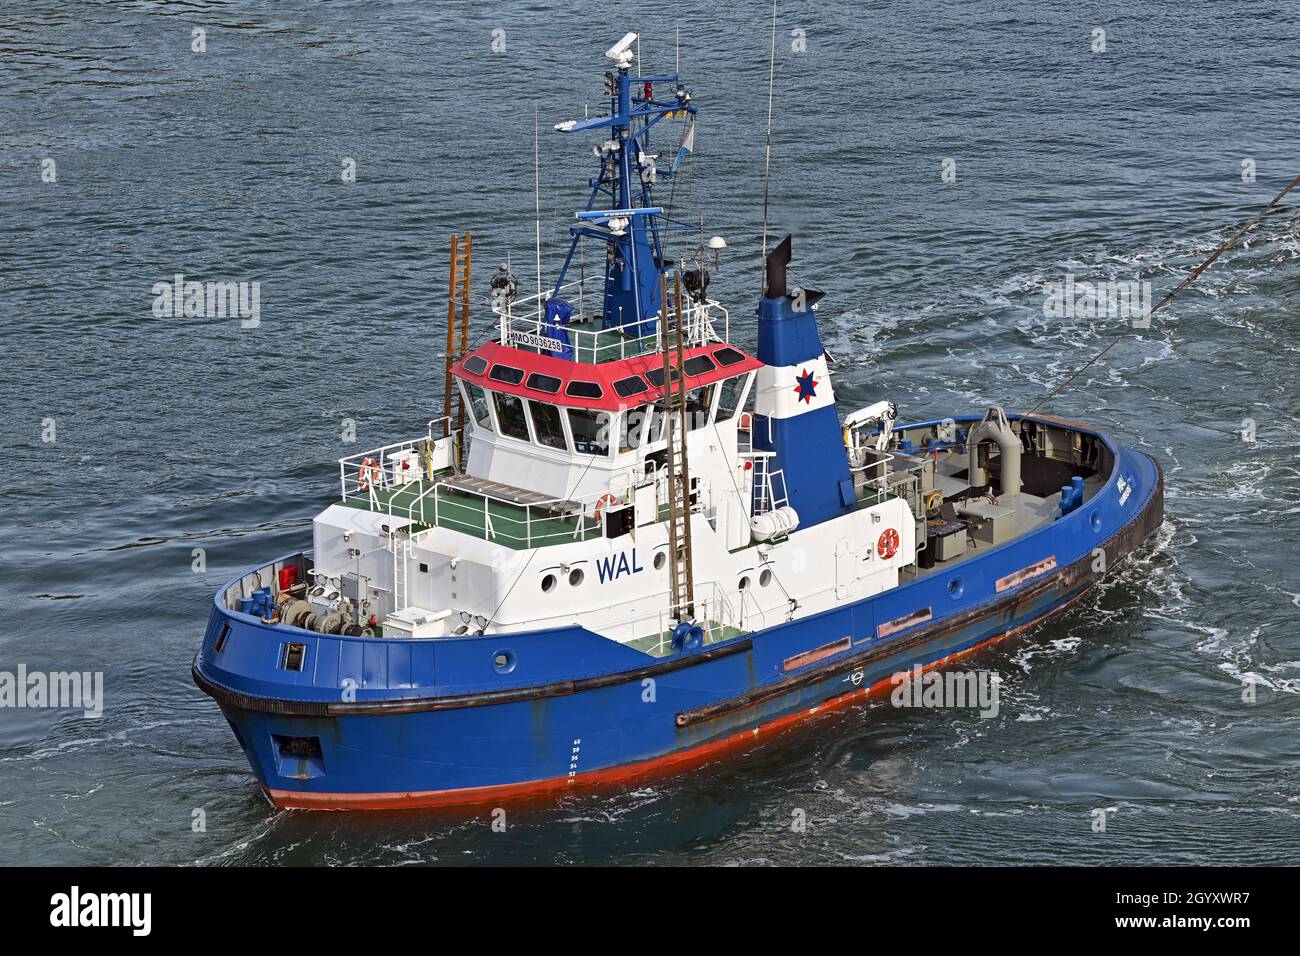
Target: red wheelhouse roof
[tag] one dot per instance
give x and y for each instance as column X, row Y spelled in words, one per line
column 607, row 386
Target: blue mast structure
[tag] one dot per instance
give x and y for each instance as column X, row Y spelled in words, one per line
column 632, row 227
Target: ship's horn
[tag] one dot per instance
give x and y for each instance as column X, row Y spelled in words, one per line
column 777, row 260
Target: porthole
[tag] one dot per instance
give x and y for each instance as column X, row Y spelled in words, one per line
column 955, row 588
column 744, row 582
column 765, row 578
column 575, row 577
column 1095, row 521
column 503, row 662
column 661, row 558
column 548, row 583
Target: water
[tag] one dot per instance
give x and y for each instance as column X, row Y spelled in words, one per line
column 177, row 434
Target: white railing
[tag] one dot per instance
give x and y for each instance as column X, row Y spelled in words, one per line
column 715, row 612
column 498, row 518
column 390, row 466
column 523, row 325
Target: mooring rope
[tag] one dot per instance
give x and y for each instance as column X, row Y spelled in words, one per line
column 1191, row 277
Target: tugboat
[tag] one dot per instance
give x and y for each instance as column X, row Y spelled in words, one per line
column 630, row 546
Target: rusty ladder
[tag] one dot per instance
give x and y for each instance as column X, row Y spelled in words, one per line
column 682, row 606
column 457, row 336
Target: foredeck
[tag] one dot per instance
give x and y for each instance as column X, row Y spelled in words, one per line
column 433, row 503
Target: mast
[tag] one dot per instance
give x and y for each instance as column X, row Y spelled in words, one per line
column 620, row 211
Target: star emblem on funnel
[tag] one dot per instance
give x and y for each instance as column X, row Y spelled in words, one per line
column 806, row 387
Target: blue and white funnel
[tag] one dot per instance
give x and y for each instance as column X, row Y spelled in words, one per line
column 794, row 404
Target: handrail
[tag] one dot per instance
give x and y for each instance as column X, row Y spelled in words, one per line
column 530, row 330
column 384, row 474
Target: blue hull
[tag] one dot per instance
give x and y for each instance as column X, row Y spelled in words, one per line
column 430, row 722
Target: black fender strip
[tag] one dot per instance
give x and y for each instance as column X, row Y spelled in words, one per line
column 409, row 705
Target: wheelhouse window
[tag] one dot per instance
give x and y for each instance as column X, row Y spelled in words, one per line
column 631, row 426
column 547, row 425
column 698, row 403
column 632, row 385
column 729, row 395
column 476, row 398
column 699, row 365
column 511, row 418
column 543, row 383
column 590, row 431
column 656, row 430
column 507, row 374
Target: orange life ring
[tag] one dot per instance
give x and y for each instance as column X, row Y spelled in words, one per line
column 368, row 472
column 602, row 501
column 887, row 546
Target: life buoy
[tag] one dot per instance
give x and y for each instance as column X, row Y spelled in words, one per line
column 367, row 473
column 604, row 500
column 887, row 546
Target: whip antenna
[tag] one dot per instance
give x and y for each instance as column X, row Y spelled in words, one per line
column 537, row 208
column 767, row 162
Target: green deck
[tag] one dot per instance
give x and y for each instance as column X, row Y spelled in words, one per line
column 513, row 526
column 597, row 345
